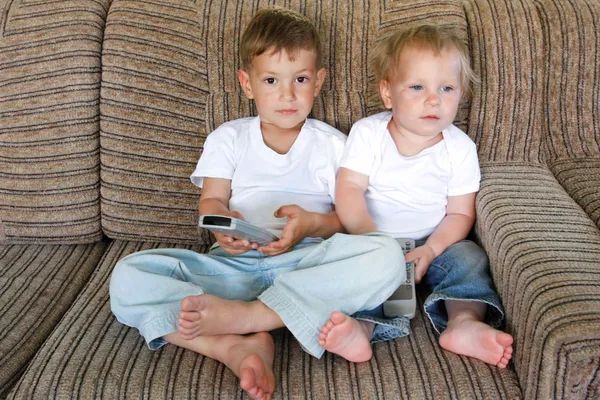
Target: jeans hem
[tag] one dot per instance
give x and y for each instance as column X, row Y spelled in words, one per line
column 494, row 323
column 294, row 320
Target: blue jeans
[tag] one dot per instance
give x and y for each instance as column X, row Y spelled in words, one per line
column 346, row 273
column 460, row 273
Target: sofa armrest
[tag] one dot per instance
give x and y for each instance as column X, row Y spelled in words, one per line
column 545, row 261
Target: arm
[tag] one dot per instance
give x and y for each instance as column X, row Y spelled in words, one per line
column 215, row 200
column 351, row 204
column 459, row 219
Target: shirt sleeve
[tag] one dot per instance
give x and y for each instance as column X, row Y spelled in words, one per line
column 466, row 174
column 358, row 153
column 217, row 159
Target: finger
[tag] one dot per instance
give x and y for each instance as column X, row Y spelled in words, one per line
column 236, row 214
column 285, row 211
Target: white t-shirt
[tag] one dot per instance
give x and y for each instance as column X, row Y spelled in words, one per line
column 407, row 196
column 263, row 180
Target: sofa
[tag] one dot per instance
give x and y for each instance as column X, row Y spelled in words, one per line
column 104, row 108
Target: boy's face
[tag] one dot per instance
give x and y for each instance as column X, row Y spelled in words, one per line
column 424, row 92
column 283, row 89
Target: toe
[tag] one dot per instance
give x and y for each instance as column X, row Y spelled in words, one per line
column 190, row 303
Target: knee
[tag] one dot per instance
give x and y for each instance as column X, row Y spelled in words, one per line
column 388, row 258
column 470, row 254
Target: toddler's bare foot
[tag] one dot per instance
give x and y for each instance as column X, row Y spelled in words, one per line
column 474, row 338
column 347, row 337
column 252, row 361
column 205, row 315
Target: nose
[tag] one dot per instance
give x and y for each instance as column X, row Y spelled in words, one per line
column 433, row 98
column 287, row 93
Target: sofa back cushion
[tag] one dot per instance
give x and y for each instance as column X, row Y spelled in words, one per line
column 49, row 121
column 170, row 78
column 573, row 80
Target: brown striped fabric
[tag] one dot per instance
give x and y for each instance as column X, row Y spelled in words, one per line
column 37, row 286
column 91, row 355
column 49, row 98
column 507, row 107
column 545, row 256
column 572, row 112
column 581, row 180
column 153, row 101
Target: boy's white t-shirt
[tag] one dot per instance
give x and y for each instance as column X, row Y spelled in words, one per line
column 407, row 196
column 263, row 180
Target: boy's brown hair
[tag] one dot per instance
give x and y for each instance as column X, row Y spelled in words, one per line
column 278, row 29
column 387, row 51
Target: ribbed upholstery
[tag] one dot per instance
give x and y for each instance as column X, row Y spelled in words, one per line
column 49, row 150
column 91, row 355
column 573, row 108
column 507, row 106
column 37, row 286
column 545, row 257
column 153, row 101
column 581, row 179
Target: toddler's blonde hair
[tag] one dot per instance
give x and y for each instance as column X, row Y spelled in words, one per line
column 278, row 29
column 387, row 51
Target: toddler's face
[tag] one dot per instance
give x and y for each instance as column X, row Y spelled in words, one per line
column 424, row 92
column 283, row 89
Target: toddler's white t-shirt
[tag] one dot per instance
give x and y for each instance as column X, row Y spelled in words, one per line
column 407, row 196
column 263, row 180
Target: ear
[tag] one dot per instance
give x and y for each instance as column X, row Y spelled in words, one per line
column 244, row 79
column 320, row 80
column 386, row 93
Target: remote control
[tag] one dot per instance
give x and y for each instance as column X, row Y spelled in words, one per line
column 236, row 228
column 403, row 301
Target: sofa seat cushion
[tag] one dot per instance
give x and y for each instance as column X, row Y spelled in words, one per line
column 91, row 355
column 545, row 256
column 581, row 179
column 37, row 286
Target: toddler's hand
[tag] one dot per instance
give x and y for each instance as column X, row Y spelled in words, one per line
column 423, row 256
column 232, row 245
column 298, row 226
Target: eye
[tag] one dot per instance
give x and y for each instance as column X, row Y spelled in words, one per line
column 270, row 81
column 447, row 88
column 302, row 79
column 416, row 87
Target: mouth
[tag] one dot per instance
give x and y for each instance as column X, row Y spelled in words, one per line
column 286, row 112
column 430, row 118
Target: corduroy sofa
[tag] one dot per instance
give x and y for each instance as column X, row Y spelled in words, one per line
column 104, row 107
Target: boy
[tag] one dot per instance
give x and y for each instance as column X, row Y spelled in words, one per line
column 410, row 173
column 277, row 166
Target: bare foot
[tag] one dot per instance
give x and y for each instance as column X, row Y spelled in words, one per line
column 205, row 315
column 252, row 361
column 347, row 337
column 476, row 339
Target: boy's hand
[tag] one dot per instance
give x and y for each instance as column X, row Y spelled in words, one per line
column 232, row 245
column 423, row 256
column 298, row 226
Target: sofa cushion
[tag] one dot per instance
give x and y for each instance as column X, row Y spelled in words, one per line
column 49, row 121
column 580, row 177
column 37, row 286
column 90, row 354
column 573, row 82
column 545, row 256
column 507, row 108
column 153, row 103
